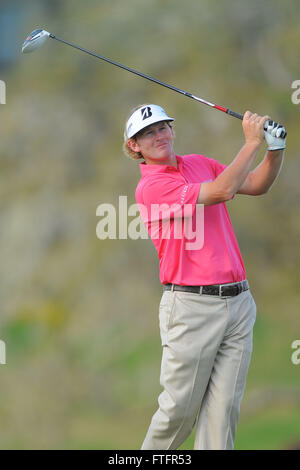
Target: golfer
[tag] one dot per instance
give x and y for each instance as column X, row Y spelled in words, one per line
column 207, row 312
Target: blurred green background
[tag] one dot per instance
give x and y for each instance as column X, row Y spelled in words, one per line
column 79, row 315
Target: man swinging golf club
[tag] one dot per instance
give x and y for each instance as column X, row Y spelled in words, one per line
column 207, row 311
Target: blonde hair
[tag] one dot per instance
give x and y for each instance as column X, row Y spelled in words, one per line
column 126, row 149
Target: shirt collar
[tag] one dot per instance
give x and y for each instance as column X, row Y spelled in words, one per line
column 154, row 169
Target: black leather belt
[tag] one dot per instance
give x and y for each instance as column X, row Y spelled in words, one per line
column 220, row 290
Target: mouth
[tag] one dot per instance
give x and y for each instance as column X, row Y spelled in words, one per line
column 162, row 145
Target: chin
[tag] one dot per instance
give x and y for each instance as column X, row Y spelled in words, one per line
column 163, row 158
column 164, row 153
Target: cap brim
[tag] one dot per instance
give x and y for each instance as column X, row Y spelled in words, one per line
column 149, row 123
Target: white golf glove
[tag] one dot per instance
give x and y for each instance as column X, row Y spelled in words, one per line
column 275, row 135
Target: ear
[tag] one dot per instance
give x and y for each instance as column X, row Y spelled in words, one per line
column 133, row 145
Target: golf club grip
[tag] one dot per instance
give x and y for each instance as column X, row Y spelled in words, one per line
column 234, row 114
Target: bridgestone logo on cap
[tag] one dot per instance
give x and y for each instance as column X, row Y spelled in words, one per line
column 146, row 112
column 144, row 117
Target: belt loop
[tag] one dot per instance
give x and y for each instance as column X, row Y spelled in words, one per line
column 220, row 290
column 172, row 288
column 201, row 290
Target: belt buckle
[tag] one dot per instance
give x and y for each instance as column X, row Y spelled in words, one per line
column 226, row 285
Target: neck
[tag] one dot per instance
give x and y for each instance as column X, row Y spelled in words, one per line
column 170, row 160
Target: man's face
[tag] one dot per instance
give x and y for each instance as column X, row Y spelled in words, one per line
column 155, row 142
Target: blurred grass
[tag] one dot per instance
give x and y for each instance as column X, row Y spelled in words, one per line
column 275, row 428
column 270, row 429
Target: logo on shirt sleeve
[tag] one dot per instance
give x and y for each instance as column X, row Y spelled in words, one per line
column 183, row 194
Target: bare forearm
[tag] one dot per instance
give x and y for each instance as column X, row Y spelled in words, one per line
column 233, row 177
column 265, row 174
column 235, row 174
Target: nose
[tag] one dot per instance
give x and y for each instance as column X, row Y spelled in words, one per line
column 159, row 135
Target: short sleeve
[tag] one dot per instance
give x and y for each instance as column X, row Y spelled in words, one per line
column 171, row 194
column 219, row 168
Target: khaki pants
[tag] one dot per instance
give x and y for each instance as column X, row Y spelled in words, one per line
column 207, row 346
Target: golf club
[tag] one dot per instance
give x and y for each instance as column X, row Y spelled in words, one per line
column 37, row 38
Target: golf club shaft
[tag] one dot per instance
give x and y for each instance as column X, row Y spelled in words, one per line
column 148, row 77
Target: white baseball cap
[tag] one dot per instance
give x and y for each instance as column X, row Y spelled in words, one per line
column 144, row 117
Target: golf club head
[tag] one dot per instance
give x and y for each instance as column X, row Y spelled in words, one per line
column 35, row 40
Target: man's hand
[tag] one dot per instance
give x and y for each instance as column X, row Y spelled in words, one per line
column 275, row 135
column 253, row 127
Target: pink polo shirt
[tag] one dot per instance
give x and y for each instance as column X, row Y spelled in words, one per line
column 166, row 194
